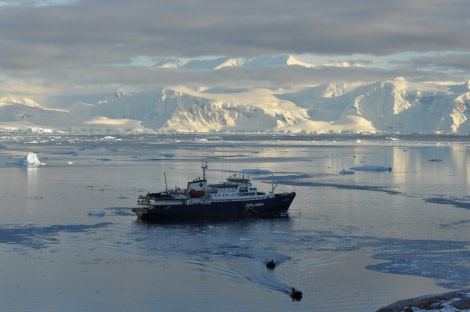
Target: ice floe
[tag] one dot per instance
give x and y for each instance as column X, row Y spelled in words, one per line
column 38, row 237
column 98, row 213
column 371, row 168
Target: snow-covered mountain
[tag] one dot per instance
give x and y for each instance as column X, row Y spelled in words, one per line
column 395, row 106
column 221, row 62
column 24, row 113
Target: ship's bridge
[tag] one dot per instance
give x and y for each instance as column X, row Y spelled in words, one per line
column 239, row 179
column 233, row 189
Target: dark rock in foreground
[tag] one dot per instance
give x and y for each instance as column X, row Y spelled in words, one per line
column 451, row 301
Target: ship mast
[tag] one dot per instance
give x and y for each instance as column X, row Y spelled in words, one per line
column 273, row 187
column 166, row 185
column 204, row 167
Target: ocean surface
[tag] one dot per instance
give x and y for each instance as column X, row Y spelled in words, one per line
column 352, row 242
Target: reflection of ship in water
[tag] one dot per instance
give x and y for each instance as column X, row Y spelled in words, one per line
column 235, row 197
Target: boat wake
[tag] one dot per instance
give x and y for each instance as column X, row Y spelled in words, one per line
column 256, row 272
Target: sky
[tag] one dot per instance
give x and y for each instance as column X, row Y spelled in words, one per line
column 66, row 47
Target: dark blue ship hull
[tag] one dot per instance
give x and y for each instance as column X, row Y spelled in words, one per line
column 270, row 207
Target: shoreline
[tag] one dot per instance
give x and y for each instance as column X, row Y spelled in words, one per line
column 451, row 301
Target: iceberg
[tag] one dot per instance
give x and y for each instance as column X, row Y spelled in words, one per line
column 30, row 160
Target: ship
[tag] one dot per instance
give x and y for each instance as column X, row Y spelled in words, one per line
column 234, row 198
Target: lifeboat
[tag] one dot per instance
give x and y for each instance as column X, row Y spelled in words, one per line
column 196, row 193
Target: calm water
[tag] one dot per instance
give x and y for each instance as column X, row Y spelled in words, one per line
column 351, row 243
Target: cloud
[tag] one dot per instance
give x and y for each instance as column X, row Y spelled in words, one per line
column 91, row 44
column 143, row 78
column 21, row 88
column 447, row 61
column 246, row 28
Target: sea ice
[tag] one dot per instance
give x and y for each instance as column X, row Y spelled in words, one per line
column 30, row 160
column 256, row 171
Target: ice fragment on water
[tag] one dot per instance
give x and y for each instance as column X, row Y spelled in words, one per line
column 96, row 212
column 167, row 155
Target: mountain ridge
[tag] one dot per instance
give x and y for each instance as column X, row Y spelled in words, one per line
column 216, row 63
column 392, row 106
